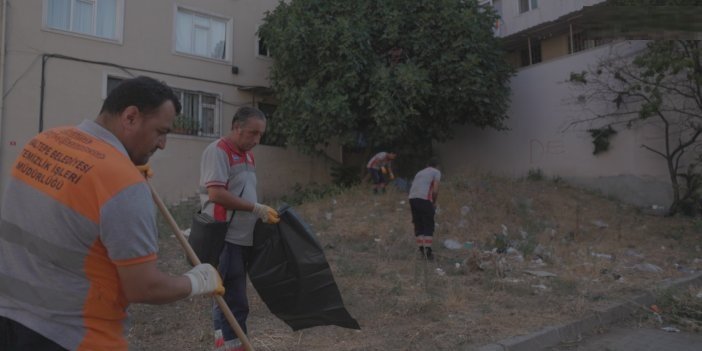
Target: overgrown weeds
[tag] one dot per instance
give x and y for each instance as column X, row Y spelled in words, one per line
column 683, row 308
column 300, row 194
column 474, row 295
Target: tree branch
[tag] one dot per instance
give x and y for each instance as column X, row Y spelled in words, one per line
column 697, row 68
column 654, row 151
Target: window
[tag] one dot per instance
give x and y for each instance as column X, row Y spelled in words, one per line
column 262, row 48
column 201, row 35
column 497, row 5
column 199, row 116
column 535, row 57
column 98, row 18
column 582, row 42
column 273, row 135
column 527, row 5
column 535, row 51
column 112, row 82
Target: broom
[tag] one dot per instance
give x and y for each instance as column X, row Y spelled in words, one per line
column 195, row 260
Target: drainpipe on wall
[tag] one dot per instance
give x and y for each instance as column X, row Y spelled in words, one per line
column 3, row 64
column 572, row 45
column 2, row 69
column 44, row 58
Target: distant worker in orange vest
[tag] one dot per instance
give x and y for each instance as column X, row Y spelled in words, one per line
column 78, row 236
column 380, row 169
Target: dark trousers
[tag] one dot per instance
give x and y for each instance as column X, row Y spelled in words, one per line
column 17, row 337
column 422, row 216
column 232, row 267
column 376, row 176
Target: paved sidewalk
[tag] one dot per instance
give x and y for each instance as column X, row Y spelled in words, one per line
column 558, row 336
column 637, row 339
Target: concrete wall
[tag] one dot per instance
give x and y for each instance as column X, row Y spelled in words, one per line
column 75, row 90
column 541, row 137
column 177, row 169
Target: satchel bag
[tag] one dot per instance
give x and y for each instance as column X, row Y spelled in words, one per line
column 207, row 236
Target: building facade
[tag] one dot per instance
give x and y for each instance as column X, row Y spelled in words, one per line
column 59, row 59
column 546, row 41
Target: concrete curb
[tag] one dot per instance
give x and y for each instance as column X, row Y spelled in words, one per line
column 571, row 331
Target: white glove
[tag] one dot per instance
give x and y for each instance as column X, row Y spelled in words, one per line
column 266, row 214
column 204, row 279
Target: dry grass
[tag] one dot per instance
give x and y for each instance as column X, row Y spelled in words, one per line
column 404, row 303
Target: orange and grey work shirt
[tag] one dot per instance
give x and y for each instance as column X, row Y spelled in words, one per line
column 223, row 165
column 423, row 184
column 379, row 160
column 74, row 210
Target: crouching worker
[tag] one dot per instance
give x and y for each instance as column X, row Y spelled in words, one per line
column 380, row 169
column 78, row 237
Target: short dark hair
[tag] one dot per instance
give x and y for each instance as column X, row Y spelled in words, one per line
column 145, row 93
column 433, row 162
column 243, row 114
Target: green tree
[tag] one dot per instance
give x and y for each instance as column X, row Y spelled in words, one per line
column 391, row 72
column 661, row 86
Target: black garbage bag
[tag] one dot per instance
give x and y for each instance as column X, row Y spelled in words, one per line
column 290, row 273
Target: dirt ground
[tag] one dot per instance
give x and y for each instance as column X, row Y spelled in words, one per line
column 599, row 251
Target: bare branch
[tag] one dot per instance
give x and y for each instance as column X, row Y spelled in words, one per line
column 653, row 150
column 682, row 146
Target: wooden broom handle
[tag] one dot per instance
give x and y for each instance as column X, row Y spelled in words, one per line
column 196, row 261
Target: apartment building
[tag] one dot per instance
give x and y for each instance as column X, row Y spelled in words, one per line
column 546, row 40
column 59, row 58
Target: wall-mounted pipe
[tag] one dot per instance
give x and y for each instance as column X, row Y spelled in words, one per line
column 3, row 57
column 46, row 57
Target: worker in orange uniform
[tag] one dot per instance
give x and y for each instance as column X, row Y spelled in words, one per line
column 78, row 236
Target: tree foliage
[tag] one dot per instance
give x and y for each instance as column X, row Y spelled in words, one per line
column 662, row 86
column 373, row 73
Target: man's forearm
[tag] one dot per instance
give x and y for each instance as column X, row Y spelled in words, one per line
column 145, row 283
column 232, row 202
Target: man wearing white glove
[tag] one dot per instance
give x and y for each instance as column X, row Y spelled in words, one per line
column 75, row 254
column 204, row 279
column 228, row 192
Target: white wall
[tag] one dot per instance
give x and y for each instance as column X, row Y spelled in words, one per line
column 542, row 108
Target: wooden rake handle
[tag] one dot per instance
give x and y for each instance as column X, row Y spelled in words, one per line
column 196, row 261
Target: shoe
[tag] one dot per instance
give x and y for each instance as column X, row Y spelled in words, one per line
column 229, row 345
column 429, row 254
column 226, row 345
column 218, row 339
